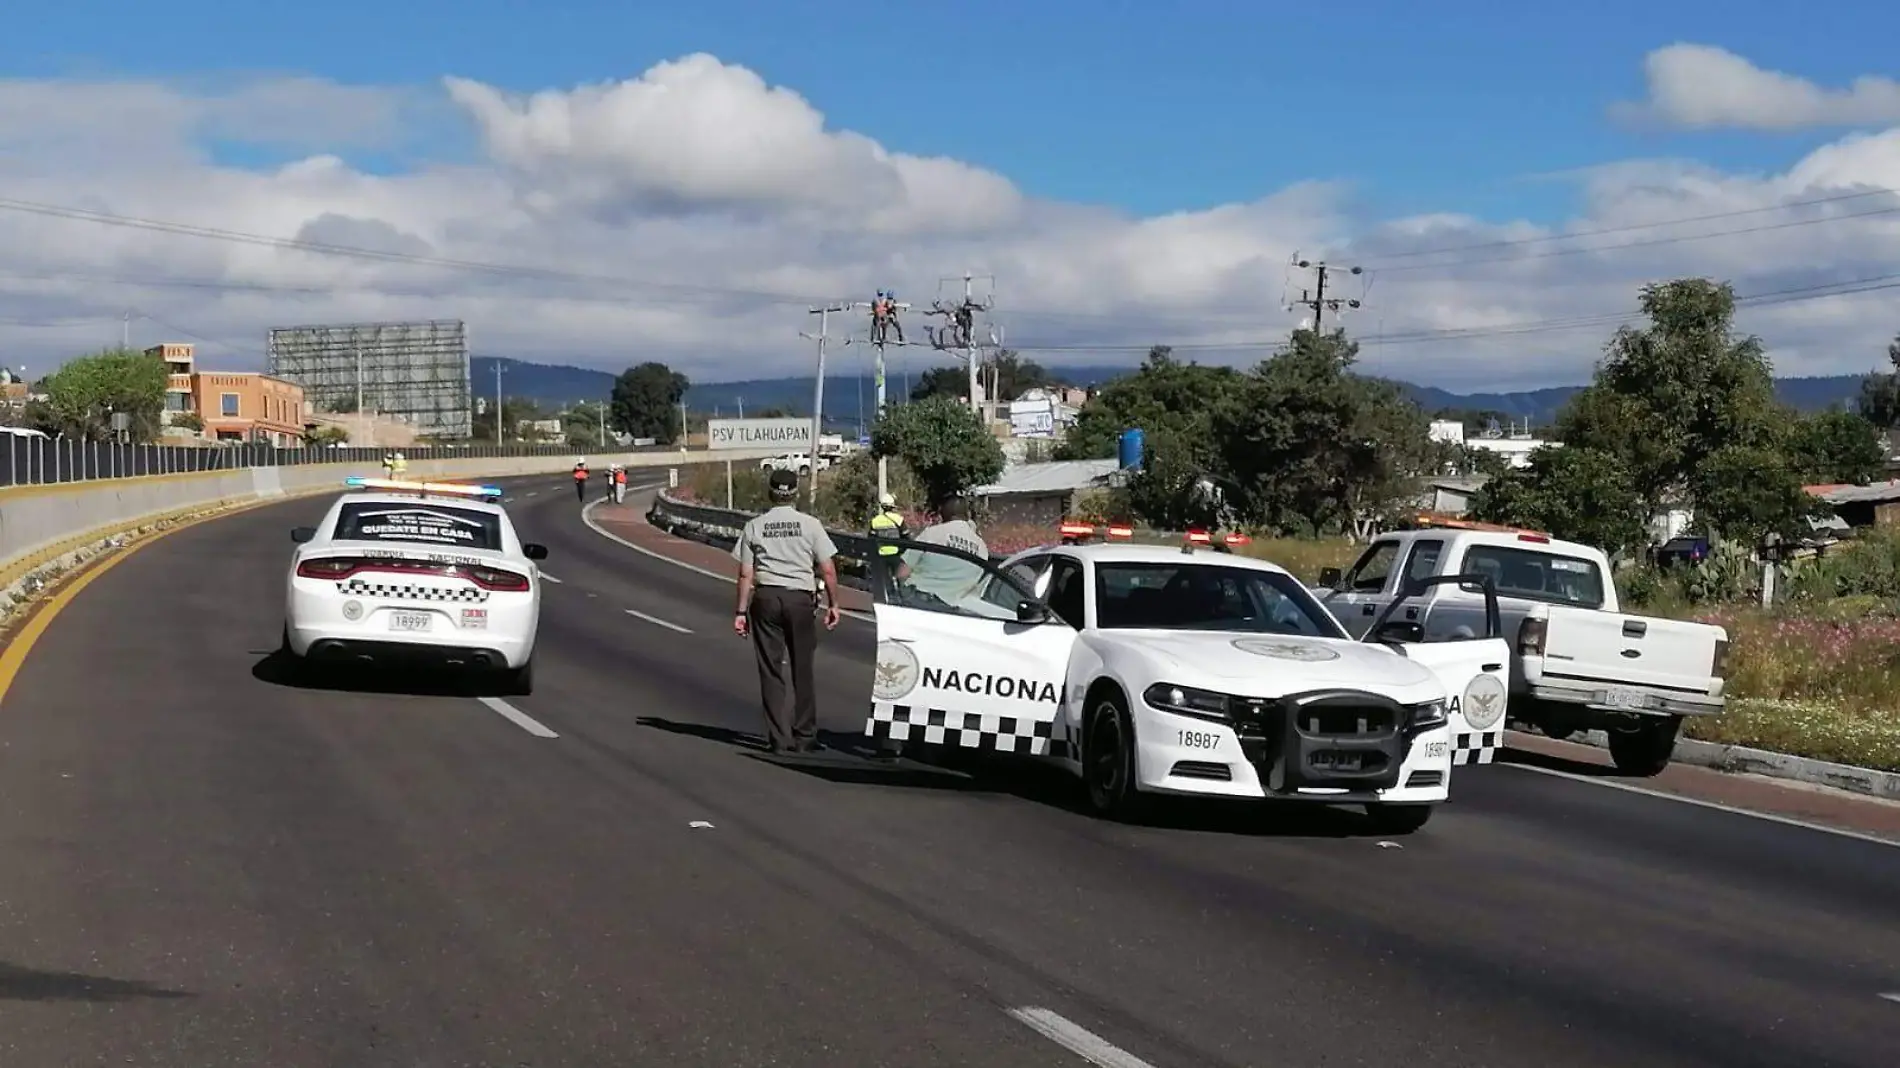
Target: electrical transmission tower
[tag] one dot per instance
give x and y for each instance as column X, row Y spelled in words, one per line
column 959, row 330
column 1316, row 297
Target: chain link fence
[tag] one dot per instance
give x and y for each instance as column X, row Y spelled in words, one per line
column 32, row 461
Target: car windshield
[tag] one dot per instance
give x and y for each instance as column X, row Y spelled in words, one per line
column 419, row 523
column 1198, row 596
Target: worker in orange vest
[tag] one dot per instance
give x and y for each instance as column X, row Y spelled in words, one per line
column 580, row 481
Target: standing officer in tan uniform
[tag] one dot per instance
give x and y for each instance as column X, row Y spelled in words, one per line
column 782, row 554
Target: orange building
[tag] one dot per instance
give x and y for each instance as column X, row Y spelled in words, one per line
column 234, row 405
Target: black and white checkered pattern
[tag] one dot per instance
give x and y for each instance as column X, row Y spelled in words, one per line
column 403, row 591
column 1476, row 748
column 967, row 730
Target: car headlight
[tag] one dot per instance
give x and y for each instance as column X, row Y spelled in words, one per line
column 1429, row 716
column 1186, row 701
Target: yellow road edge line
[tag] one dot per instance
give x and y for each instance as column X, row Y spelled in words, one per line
column 20, row 644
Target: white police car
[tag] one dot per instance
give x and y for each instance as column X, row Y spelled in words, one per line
column 1156, row 670
column 419, row 572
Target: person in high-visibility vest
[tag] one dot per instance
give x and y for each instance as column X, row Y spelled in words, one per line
column 580, row 481
column 620, row 484
column 887, row 524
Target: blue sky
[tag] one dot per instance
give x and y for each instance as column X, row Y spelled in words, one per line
column 1464, row 106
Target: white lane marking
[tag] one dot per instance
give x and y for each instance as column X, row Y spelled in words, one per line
column 1892, row 997
column 518, row 717
column 1078, row 1040
column 532, row 493
column 588, row 518
column 545, row 577
column 703, row 823
column 1786, row 821
column 658, row 622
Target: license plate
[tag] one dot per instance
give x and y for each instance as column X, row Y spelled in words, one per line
column 409, row 621
column 1625, row 698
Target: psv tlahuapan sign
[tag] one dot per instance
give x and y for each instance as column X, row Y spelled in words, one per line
column 785, row 435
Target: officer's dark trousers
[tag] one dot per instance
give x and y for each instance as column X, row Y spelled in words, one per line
column 784, row 638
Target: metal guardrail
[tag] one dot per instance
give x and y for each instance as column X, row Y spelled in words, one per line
column 722, row 525
column 30, row 461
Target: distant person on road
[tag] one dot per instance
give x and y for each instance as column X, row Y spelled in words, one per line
column 887, row 524
column 620, row 484
column 782, row 555
column 580, row 481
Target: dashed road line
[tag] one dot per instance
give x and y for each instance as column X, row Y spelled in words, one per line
column 658, row 622
column 518, row 717
column 1077, row 1039
column 1894, row 997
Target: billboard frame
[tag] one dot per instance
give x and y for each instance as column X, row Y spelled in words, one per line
column 416, row 371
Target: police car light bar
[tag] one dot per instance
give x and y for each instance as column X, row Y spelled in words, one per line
column 425, row 488
column 1199, row 537
column 1121, row 532
column 1077, row 530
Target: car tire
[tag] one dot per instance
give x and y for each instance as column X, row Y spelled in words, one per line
column 295, row 668
column 1108, row 762
column 519, row 682
column 1398, row 820
column 1646, row 749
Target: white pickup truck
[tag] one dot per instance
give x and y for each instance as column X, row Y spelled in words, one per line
column 1577, row 662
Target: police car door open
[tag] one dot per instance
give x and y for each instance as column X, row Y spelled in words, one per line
column 1475, row 670
column 966, row 657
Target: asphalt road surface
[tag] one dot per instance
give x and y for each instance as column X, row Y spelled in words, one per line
column 204, row 866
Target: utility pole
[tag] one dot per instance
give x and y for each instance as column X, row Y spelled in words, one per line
column 125, row 330
column 603, row 424
column 498, row 404
column 877, row 379
column 1316, row 298
column 818, row 388
column 969, row 347
column 683, row 444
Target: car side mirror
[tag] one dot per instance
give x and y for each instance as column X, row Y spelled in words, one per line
column 1329, row 577
column 1031, row 612
column 1399, row 630
column 534, row 551
column 302, row 534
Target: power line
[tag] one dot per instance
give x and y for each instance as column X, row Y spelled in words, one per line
column 1633, row 227
column 1316, row 298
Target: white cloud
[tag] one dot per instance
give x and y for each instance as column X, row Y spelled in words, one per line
column 1702, row 86
column 690, row 214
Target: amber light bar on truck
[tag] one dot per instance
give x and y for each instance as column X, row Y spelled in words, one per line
column 396, row 485
column 1427, row 520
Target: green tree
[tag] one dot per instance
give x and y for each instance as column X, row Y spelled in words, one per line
column 646, row 402
column 1835, row 446
column 943, row 443
column 1743, row 492
column 1166, row 399
column 1313, row 446
column 83, row 395
column 1578, row 494
column 1880, row 393
column 1014, row 376
column 1668, row 396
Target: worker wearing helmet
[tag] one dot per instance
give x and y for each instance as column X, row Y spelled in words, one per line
column 888, row 524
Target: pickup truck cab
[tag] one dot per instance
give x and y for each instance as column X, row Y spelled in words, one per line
column 1578, row 662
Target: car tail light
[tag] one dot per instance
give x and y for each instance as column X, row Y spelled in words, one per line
column 1237, row 539
column 1719, row 668
column 490, row 578
column 1541, row 539
column 331, row 567
column 1530, row 638
column 1199, row 537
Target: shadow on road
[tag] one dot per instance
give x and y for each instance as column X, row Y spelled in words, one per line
column 279, row 669
column 29, row 984
column 849, row 759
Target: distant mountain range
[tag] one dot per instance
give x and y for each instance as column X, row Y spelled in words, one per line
column 848, row 396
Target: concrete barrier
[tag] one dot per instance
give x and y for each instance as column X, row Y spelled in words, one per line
column 41, row 526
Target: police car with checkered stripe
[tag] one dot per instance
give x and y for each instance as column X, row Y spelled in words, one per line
column 416, row 572
column 1152, row 670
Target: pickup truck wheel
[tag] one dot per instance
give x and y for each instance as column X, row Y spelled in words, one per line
column 1398, row 819
column 1108, row 762
column 1644, row 750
